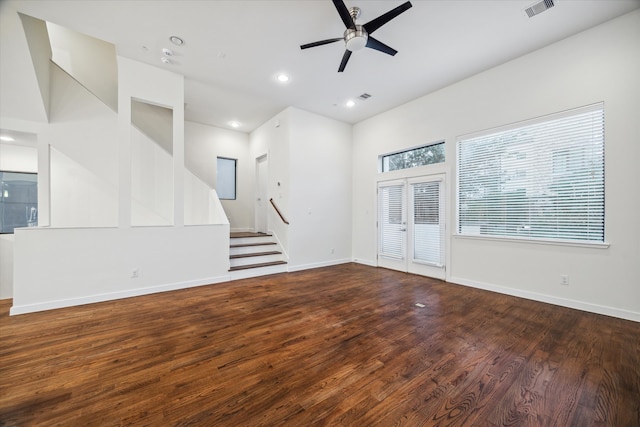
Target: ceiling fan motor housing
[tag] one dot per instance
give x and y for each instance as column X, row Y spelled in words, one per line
column 355, row 38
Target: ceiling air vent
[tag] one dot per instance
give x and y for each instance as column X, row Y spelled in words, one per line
column 539, row 7
column 364, row 96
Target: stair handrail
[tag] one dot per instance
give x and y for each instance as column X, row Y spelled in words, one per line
column 278, row 211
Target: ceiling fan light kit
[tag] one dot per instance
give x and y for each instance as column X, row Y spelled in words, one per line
column 357, row 37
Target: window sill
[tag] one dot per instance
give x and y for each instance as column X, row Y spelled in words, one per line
column 576, row 244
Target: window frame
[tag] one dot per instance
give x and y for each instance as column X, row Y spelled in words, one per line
column 235, row 177
column 382, row 157
column 36, row 204
column 563, row 241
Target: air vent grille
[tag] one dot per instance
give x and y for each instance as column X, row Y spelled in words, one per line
column 364, row 96
column 539, row 7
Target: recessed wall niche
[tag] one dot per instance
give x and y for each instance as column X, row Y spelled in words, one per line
column 152, row 189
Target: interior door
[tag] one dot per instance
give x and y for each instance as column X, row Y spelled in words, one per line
column 261, row 194
column 411, row 225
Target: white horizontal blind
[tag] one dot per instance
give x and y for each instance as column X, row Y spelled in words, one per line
column 392, row 221
column 428, row 223
column 542, row 180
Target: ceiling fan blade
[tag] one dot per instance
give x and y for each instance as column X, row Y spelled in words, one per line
column 345, row 59
column 378, row 45
column 320, row 43
column 374, row 24
column 344, row 13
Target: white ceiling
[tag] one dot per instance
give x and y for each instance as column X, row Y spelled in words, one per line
column 234, row 49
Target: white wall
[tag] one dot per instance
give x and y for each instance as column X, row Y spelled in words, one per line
column 80, row 144
column 58, row 267
column 202, row 145
column 21, row 96
column 273, row 139
column 151, row 182
column 64, row 267
column 18, row 158
column 600, row 64
column 90, row 61
column 309, row 179
column 320, row 196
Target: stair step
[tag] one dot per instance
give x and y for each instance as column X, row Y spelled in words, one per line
column 254, row 254
column 241, row 234
column 263, row 264
column 244, row 245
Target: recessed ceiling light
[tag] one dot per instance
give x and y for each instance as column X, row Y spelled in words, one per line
column 176, row 40
column 282, row 78
column 350, row 103
column 6, row 138
column 234, row 124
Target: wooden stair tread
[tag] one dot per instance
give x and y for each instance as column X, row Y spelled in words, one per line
column 244, row 245
column 263, row 264
column 241, row 234
column 254, row 254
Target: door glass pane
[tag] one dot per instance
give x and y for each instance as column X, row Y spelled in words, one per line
column 392, row 222
column 428, row 229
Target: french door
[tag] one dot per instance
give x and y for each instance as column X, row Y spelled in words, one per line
column 411, row 225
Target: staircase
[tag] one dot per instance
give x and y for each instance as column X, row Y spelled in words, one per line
column 255, row 254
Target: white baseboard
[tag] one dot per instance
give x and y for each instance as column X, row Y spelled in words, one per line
column 301, row 267
column 365, row 262
column 564, row 302
column 90, row 299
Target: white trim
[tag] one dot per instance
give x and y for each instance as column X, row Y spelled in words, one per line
column 285, row 254
column 415, row 147
column 318, row 265
column 50, row 305
column 365, row 262
column 539, row 241
column 564, row 302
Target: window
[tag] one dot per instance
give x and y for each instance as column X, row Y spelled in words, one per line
column 18, row 200
column 425, row 155
column 540, row 180
column 226, row 178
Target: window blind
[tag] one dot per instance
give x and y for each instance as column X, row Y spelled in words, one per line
column 540, row 180
column 428, row 223
column 392, row 225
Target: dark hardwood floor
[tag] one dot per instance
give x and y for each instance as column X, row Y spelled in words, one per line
column 336, row 346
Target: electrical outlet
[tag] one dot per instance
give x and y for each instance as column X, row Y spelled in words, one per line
column 564, row 280
column 134, row 273
column 333, row 250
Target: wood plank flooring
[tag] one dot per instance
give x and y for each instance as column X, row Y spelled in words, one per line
column 336, row 346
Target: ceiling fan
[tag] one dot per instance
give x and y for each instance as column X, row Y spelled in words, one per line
column 358, row 36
